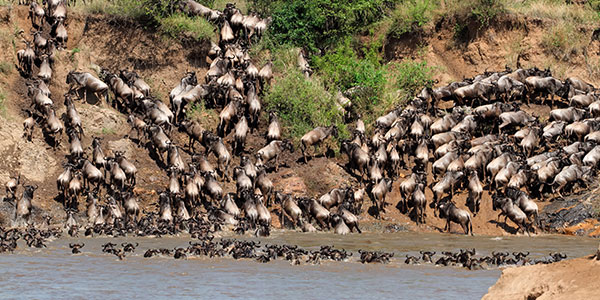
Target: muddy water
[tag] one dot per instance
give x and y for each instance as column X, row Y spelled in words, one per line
column 53, row 272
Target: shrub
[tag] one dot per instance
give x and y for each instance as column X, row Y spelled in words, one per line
column 487, row 10
column 342, row 69
column 178, row 24
column 317, row 24
column 411, row 76
column 409, row 16
column 301, row 104
column 481, row 11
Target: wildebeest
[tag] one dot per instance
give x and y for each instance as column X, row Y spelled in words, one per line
column 451, row 213
column 315, row 137
column 273, row 150
column 23, row 205
column 544, row 85
column 511, row 211
column 87, row 82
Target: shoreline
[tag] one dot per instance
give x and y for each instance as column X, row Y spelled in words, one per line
column 568, row 279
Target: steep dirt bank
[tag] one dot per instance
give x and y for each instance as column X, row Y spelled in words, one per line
column 492, row 48
column 569, row 279
column 97, row 41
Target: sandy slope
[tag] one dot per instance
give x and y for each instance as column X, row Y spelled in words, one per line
column 570, row 279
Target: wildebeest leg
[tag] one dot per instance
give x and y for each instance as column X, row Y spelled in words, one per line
column 304, row 149
column 464, row 227
column 84, row 94
column 277, row 163
column 323, row 224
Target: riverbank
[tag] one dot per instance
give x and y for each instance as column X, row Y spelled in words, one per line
column 569, row 279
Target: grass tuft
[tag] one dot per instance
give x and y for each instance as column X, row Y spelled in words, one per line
column 564, row 40
column 181, row 25
column 6, row 67
column 2, row 103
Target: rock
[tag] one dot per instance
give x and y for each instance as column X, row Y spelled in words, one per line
column 560, row 214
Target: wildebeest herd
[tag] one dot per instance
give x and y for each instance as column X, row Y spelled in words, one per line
column 486, row 141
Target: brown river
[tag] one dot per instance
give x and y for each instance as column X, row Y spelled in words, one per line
column 54, row 273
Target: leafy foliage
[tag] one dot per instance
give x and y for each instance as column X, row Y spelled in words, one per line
column 317, row 24
column 410, row 15
column 481, row 11
column 342, row 69
column 301, row 104
column 486, row 10
column 412, row 75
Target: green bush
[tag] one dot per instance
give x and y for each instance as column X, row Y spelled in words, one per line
column 411, row 76
column 487, row 10
column 481, row 11
column 317, row 24
column 342, row 69
column 302, row 104
column 410, row 15
column 179, row 24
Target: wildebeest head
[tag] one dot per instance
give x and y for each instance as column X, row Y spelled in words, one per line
column 28, row 192
column 288, row 145
column 444, row 207
column 334, row 131
column 587, row 175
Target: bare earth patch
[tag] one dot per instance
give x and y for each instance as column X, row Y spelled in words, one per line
column 569, row 279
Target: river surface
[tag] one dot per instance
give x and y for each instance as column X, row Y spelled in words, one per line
column 54, row 273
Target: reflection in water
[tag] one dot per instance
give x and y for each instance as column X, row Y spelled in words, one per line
column 54, row 273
